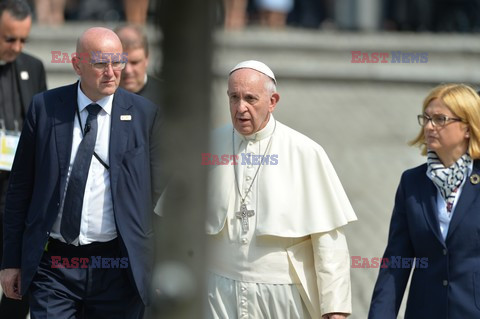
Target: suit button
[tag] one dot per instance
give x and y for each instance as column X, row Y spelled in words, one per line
column 445, row 283
column 58, row 204
column 444, row 252
column 244, row 241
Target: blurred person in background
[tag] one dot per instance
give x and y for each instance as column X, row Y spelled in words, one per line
column 21, row 76
column 50, row 12
column 136, row 11
column 235, row 14
column 311, row 14
column 273, row 13
column 435, row 225
column 131, row 11
column 134, row 77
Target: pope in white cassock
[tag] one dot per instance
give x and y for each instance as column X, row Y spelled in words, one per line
column 275, row 216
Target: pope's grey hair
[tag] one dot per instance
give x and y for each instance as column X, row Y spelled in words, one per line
column 270, row 86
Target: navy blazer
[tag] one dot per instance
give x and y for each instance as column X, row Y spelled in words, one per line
column 448, row 285
column 39, row 174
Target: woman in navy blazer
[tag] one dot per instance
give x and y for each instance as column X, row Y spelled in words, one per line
column 435, row 225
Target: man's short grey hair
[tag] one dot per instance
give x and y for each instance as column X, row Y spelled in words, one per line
column 139, row 41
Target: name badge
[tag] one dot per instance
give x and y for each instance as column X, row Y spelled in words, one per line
column 8, row 146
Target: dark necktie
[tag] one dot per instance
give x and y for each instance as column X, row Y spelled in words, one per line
column 73, row 202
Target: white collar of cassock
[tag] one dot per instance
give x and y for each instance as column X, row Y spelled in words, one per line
column 265, row 132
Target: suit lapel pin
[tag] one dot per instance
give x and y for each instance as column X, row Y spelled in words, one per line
column 126, row 117
column 475, row 179
column 24, row 75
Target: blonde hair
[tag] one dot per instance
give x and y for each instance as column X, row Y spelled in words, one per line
column 464, row 103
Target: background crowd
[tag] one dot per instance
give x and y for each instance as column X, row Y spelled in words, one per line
column 393, row 15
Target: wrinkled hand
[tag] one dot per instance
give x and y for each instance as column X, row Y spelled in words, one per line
column 10, row 280
column 335, row 315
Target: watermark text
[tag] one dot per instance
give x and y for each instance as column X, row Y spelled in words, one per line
column 389, row 57
column 88, row 57
column 239, row 159
column 85, row 262
column 392, row 262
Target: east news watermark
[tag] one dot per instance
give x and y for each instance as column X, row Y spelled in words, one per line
column 88, row 57
column 389, row 57
column 92, row 262
column 397, row 262
column 239, row 159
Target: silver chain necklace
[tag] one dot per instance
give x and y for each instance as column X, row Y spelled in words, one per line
column 244, row 212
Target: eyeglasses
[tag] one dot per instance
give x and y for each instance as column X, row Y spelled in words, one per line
column 437, row 120
column 102, row 66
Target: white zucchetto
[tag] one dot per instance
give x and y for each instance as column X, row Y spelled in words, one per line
column 257, row 66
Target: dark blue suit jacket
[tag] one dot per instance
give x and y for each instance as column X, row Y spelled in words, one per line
column 449, row 287
column 39, row 174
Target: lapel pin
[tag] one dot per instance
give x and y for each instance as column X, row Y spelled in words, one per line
column 475, row 179
column 24, row 75
column 125, row 117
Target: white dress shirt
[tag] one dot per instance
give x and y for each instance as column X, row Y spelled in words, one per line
column 97, row 221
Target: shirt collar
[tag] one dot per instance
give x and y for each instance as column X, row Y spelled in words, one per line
column 83, row 101
column 263, row 133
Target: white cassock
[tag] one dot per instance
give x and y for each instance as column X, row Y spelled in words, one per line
column 293, row 261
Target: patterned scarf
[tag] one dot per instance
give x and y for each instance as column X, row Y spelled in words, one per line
column 447, row 179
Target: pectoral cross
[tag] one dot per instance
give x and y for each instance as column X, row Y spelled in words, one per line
column 243, row 214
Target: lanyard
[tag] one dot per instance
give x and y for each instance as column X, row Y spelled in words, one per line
column 83, row 135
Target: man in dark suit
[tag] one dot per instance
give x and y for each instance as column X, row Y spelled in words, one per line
column 134, row 77
column 21, row 76
column 78, row 216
